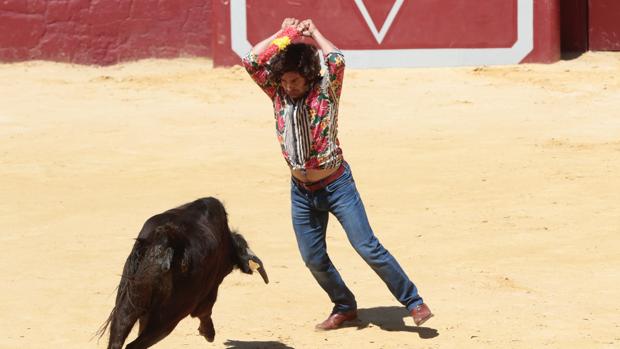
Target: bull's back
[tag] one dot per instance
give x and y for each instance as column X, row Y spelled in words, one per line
column 199, row 235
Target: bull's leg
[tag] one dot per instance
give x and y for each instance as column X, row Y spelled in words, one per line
column 206, row 328
column 203, row 312
column 143, row 321
column 153, row 332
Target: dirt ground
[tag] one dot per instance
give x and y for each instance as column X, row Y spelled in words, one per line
column 496, row 188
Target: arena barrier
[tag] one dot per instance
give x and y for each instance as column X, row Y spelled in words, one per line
column 377, row 33
column 399, row 33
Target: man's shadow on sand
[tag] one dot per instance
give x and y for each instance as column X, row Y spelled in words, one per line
column 390, row 319
column 234, row 344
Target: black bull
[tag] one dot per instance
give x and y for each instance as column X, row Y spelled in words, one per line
column 175, row 268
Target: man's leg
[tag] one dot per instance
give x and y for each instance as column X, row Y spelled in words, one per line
column 347, row 206
column 310, row 226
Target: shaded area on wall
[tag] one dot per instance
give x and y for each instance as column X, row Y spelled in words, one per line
column 574, row 25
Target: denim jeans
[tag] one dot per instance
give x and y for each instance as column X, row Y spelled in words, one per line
column 310, row 212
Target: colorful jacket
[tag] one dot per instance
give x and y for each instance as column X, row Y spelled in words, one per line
column 307, row 128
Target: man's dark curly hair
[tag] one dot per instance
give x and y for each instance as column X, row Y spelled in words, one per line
column 298, row 57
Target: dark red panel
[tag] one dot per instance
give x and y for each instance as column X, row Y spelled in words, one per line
column 574, row 25
column 604, row 34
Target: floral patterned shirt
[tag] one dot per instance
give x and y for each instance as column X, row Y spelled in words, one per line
column 307, row 128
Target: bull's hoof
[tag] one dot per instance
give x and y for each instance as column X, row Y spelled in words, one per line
column 208, row 333
column 209, row 337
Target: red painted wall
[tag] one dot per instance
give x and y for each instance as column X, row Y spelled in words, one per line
column 104, row 31
column 546, row 32
column 604, row 25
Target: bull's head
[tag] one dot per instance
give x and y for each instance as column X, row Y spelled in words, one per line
column 247, row 260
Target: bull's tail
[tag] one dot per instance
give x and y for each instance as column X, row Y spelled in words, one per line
column 125, row 312
column 144, row 274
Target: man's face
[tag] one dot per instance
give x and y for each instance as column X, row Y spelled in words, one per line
column 294, row 84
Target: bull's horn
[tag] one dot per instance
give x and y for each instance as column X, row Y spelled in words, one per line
column 257, row 265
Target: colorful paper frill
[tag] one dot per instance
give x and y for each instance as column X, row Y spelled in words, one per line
column 285, row 38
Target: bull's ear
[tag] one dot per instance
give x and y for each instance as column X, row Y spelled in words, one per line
column 166, row 259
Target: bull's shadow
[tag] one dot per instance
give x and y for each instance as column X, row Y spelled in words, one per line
column 390, row 319
column 233, row 344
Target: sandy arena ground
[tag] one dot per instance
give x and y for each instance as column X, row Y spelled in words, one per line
column 496, row 188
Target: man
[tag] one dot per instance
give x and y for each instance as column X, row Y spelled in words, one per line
column 306, row 112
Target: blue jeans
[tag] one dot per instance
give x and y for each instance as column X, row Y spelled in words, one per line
column 310, row 212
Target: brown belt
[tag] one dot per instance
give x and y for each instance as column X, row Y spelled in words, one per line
column 321, row 184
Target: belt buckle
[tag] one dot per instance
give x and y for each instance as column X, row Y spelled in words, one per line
column 302, row 184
